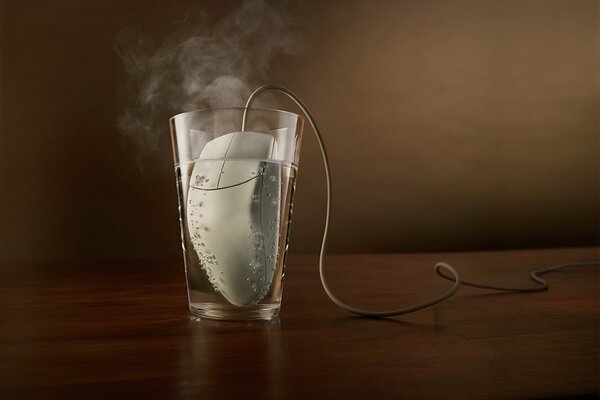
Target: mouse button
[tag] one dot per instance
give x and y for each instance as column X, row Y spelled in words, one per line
column 251, row 145
column 235, row 172
column 217, row 148
column 206, row 174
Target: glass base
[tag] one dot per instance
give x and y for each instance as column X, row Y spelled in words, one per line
column 232, row 313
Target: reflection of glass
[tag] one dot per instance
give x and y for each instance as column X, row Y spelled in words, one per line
column 224, row 359
column 235, row 193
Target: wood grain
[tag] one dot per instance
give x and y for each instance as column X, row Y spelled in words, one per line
column 122, row 330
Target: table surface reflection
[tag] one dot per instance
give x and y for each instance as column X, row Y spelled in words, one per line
column 122, row 330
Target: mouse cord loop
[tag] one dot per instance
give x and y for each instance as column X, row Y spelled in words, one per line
column 443, row 269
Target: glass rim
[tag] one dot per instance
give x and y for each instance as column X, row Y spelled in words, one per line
column 274, row 110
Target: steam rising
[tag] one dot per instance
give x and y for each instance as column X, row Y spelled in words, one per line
column 200, row 66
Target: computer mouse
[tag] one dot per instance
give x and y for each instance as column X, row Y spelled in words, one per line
column 234, row 214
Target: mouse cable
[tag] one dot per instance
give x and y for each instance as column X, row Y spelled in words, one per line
column 440, row 268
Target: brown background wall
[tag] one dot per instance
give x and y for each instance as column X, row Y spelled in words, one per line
column 450, row 125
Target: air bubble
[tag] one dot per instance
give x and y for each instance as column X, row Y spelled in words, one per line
column 200, row 179
column 272, row 178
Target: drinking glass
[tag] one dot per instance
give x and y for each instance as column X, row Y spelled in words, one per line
column 236, row 194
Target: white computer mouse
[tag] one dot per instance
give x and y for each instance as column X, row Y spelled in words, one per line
column 234, row 214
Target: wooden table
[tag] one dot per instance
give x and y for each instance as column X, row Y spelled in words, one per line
column 122, row 330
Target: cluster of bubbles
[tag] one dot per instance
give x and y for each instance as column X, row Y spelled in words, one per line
column 273, row 178
column 200, row 179
column 264, row 258
column 256, row 272
column 272, row 257
column 208, row 261
column 259, row 171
